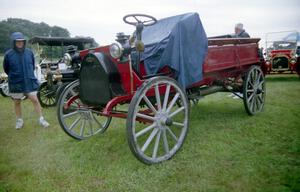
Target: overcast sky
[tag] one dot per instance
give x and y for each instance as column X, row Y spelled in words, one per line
column 102, row 19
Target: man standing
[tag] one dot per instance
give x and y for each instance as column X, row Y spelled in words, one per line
column 240, row 32
column 19, row 65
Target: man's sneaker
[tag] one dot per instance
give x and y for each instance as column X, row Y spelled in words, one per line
column 19, row 123
column 43, row 122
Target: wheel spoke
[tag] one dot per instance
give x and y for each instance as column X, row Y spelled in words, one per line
column 142, row 132
column 255, row 76
column 150, row 138
column 172, row 134
column 155, row 149
column 70, row 114
column 48, row 93
column 260, row 85
column 250, row 91
column 250, row 97
column 136, row 19
column 253, row 104
column 73, row 93
column 173, row 102
column 166, row 97
column 147, row 21
column 149, row 104
column 82, row 127
column 250, row 83
column 157, row 95
column 166, row 144
column 95, row 119
column 75, row 123
column 176, row 112
column 178, row 124
column 145, row 116
column 257, row 103
column 260, row 99
column 258, row 77
column 52, row 100
column 90, row 123
column 251, row 78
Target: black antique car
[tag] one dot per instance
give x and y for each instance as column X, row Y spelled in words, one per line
column 54, row 69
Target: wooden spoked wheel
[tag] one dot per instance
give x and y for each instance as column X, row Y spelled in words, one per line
column 76, row 119
column 156, row 125
column 254, row 90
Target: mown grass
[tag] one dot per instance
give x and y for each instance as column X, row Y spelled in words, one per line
column 1, row 63
column 225, row 150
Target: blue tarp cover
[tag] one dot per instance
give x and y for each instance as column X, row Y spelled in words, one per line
column 179, row 42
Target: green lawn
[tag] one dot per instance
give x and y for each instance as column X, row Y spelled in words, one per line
column 1, row 63
column 225, row 150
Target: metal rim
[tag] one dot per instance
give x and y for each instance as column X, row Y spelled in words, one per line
column 156, row 136
column 77, row 120
column 4, row 89
column 254, row 90
column 46, row 97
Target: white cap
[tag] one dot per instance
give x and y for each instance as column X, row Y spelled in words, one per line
column 239, row 25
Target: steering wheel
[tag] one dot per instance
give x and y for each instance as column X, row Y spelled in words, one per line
column 146, row 20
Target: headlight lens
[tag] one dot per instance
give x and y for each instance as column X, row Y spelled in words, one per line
column 3, row 76
column 67, row 59
column 293, row 61
column 57, row 77
column 116, row 50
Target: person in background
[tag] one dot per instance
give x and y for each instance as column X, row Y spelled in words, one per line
column 19, row 65
column 240, row 31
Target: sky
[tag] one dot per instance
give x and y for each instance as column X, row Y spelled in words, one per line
column 102, row 19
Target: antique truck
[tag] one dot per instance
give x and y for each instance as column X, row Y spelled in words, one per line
column 151, row 79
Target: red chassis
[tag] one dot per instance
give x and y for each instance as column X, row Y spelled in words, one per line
column 157, row 118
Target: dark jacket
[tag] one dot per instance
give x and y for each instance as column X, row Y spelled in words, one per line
column 243, row 34
column 19, row 66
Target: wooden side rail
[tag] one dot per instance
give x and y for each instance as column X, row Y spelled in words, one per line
column 231, row 41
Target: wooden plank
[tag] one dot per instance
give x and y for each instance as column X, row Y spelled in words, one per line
column 231, row 41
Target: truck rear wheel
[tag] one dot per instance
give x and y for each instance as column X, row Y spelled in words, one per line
column 254, row 90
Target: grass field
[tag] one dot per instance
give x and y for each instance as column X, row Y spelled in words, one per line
column 225, row 150
column 1, row 63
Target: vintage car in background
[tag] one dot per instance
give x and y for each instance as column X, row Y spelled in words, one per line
column 55, row 72
column 282, row 52
column 150, row 79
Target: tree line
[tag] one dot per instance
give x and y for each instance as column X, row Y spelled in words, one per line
column 29, row 29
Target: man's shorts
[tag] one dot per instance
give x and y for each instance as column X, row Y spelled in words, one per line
column 19, row 96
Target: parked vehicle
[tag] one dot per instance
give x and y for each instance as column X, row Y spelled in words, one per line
column 158, row 71
column 281, row 52
column 55, row 72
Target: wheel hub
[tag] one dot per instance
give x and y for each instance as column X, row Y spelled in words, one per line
column 258, row 91
column 85, row 114
column 162, row 120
